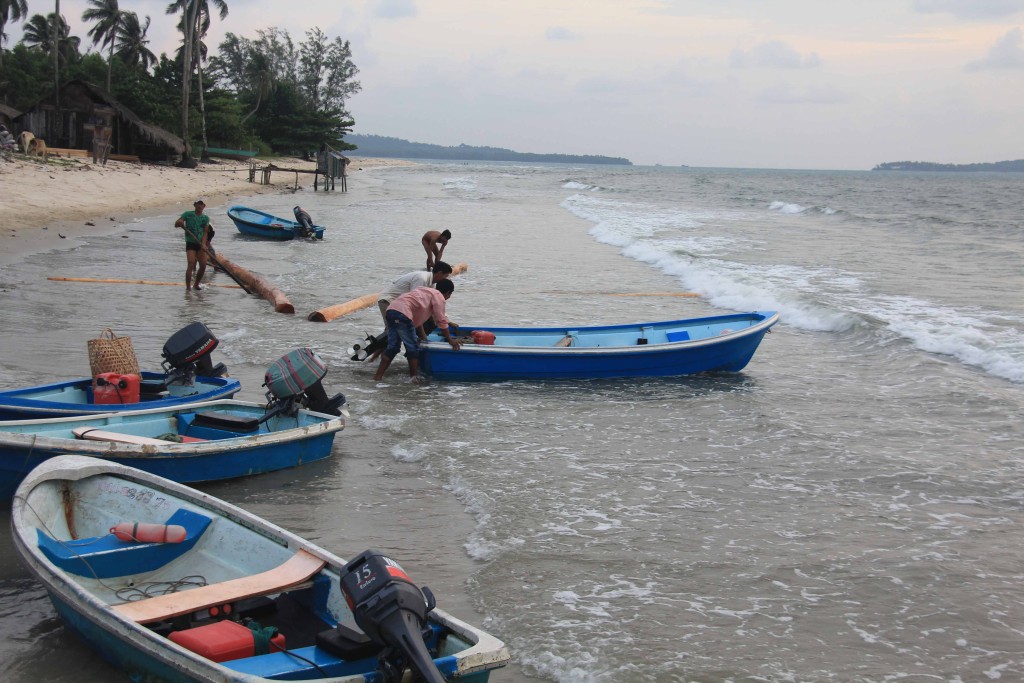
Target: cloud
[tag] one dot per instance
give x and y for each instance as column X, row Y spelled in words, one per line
column 1007, row 53
column 394, row 9
column 559, row 33
column 785, row 94
column 971, row 9
column 774, row 55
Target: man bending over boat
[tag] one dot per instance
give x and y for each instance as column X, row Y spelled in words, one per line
column 198, row 231
column 434, row 243
column 407, row 283
column 405, row 317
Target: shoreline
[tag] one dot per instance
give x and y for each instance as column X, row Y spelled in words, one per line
column 52, row 205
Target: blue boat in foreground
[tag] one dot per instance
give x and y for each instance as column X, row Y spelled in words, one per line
column 657, row 349
column 253, row 601
column 262, row 224
column 76, row 397
column 193, row 443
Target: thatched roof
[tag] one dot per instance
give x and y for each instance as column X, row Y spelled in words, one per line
column 9, row 112
column 152, row 133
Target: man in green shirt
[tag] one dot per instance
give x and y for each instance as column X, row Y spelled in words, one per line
column 198, row 231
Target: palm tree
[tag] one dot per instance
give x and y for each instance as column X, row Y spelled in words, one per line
column 132, row 42
column 107, row 17
column 38, row 34
column 10, row 10
column 193, row 13
column 260, row 70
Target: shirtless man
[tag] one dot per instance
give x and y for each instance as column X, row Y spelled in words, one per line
column 434, row 243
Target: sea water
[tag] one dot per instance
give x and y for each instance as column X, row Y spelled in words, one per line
column 847, row 508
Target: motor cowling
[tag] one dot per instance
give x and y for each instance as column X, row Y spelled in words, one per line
column 392, row 611
column 187, row 354
column 295, row 379
column 306, row 228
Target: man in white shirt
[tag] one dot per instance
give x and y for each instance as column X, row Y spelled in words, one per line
column 405, row 284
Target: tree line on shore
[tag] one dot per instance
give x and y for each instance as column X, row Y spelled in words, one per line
column 265, row 92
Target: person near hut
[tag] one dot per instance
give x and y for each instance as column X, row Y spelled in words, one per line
column 100, row 144
column 434, row 243
column 198, row 233
column 405, row 318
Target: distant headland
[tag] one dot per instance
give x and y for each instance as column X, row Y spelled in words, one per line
column 999, row 166
column 379, row 146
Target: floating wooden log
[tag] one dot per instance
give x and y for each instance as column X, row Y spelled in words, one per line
column 337, row 310
column 115, row 281
column 257, row 284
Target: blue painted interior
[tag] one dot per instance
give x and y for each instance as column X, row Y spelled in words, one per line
column 103, row 557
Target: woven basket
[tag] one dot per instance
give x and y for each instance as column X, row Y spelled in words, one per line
column 110, row 353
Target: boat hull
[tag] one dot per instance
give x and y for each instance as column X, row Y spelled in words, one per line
column 712, row 344
column 74, row 397
column 89, row 495
column 267, row 226
column 279, row 444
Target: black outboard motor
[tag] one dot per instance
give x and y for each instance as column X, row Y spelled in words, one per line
column 187, row 355
column 306, row 228
column 293, row 381
column 392, row 612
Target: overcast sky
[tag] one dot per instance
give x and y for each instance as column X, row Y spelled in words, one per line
column 826, row 84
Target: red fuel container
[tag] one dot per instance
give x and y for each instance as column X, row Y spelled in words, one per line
column 222, row 641
column 112, row 388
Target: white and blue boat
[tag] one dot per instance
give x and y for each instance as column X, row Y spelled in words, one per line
column 723, row 343
column 237, row 599
column 77, row 397
column 256, row 223
column 193, row 443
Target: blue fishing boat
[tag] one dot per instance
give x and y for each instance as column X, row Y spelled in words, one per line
column 656, row 349
column 189, row 376
column 201, row 590
column 262, row 224
column 78, row 397
column 193, row 443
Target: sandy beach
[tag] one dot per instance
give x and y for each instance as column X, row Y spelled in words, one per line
column 68, row 197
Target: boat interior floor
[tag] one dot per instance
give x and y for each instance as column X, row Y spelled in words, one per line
column 285, row 612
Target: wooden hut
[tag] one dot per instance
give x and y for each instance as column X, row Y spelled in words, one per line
column 7, row 117
column 83, row 107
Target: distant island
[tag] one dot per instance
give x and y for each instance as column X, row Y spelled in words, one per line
column 379, row 146
column 1000, row 166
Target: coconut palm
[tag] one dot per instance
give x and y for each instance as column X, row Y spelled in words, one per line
column 10, row 10
column 38, row 34
column 107, row 18
column 132, row 42
column 194, row 13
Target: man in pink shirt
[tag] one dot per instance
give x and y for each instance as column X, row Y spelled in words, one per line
column 405, row 317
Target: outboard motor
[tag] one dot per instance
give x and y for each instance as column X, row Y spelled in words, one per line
column 293, row 381
column 392, row 612
column 306, row 228
column 187, row 355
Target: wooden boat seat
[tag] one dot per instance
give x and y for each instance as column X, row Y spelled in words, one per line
column 105, row 556
column 296, row 570
column 93, row 434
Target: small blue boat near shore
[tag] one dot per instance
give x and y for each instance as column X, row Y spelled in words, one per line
column 76, row 397
column 723, row 343
column 257, row 223
column 193, row 443
column 172, row 584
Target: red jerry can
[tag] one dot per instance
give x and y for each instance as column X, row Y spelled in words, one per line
column 114, row 388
